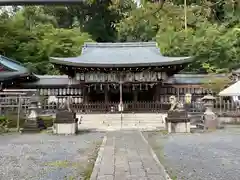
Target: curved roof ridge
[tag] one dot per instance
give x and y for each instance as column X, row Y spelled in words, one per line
column 12, row 64
column 9, row 59
column 120, row 44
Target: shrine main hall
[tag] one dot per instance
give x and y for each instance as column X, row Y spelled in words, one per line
column 116, row 72
column 106, row 74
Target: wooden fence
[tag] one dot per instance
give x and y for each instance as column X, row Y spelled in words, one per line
column 21, row 104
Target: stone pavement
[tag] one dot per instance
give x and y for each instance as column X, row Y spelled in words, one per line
column 125, row 155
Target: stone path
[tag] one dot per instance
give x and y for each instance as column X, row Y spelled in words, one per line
column 126, row 156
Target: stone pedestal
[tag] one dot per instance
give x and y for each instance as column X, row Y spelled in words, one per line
column 177, row 121
column 65, row 123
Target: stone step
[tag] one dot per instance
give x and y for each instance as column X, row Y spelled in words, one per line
column 129, row 120
column 30, row 130
column 126, row 120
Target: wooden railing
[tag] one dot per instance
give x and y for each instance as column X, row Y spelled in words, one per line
column 16, row 104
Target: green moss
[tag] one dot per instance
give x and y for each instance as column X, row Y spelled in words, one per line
column 3, row 118
column 62, row 164
column 84, row 170
column 89, row 168
column 47, row 120
column 158, row 148
column 164, row 132
column 12, row 120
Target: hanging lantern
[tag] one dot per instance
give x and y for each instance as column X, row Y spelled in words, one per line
column 64, row 91
column 60, row 91
column 78, row 76
column 68, row 91
column 75, row 91
column 56, row 92
column 48, row 92
column 80, row 100
column 41, row 91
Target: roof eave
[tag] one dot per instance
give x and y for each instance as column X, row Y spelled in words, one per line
column 61, row 61
column 14, row 75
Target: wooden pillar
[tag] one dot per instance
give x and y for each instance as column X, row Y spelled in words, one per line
column 178, row 94
column 121, row 91
column 106, row 93
column 135, row 95
column 85, row 94
column 157, row 93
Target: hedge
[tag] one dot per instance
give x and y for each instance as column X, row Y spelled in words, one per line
column 12, row 121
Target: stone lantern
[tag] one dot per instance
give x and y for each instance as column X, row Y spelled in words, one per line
column 32, row 123
column 210, row 118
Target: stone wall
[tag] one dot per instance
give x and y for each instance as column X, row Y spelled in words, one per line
column 229, row 120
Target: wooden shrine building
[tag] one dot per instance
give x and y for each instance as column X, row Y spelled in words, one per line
column 109, row 73
column 120, row 72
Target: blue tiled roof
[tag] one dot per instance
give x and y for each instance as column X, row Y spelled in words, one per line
column 129, row 54
column 14, row 69
column 12, row 64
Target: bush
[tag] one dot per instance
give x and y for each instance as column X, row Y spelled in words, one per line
column 3, row 123
column 11, row 120
column 47, row 121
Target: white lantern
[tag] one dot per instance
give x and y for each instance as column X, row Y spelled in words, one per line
column 78, row 76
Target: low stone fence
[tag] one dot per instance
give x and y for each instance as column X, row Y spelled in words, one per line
column 229, row 118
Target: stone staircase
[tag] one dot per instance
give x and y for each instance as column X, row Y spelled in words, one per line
column 111, row 122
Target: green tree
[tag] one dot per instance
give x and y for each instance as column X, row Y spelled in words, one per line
column 216, row 84
column 32, row 39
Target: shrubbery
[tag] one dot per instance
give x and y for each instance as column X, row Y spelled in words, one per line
column 7, row 122
column 3, row 124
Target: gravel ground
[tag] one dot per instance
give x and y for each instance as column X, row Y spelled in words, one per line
column 208, row 156
column 46, row 157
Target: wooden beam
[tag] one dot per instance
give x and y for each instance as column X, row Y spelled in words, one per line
column 186, row 86
column 12, row 93
column 19, row 90
column 38, row 2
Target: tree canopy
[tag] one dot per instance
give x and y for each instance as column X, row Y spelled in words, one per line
column 32, row 34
